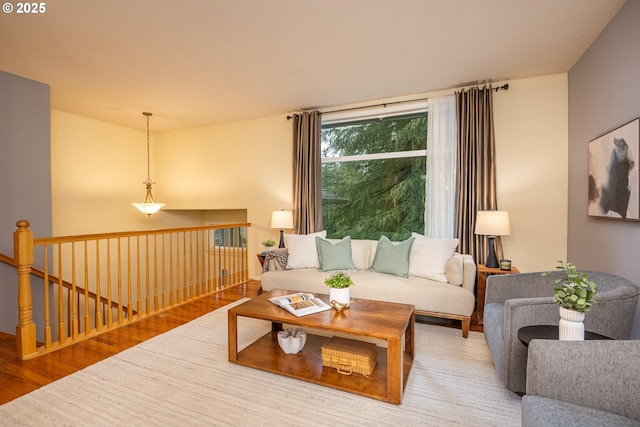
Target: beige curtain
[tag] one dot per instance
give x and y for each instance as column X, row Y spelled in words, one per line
column 476, row 170
column 307, row 179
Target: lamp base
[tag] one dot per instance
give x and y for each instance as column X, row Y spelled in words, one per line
column 281, row 245
column 492, row 261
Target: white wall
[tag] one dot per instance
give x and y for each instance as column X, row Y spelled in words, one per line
column 98, row 169
column 530, row 122
column 239, row 165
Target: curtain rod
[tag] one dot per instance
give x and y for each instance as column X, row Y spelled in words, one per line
column 385, row 104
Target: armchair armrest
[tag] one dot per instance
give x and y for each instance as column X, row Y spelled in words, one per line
column 523, row 312
column 602, row 375
column 501, row 288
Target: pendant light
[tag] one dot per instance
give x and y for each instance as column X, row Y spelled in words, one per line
column 149, row 206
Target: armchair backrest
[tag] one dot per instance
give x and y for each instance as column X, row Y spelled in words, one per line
column 617, row 297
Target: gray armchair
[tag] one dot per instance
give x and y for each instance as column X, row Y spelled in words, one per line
column 582, row 383
column 517, row 300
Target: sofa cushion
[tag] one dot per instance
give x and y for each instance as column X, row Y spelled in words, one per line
column 392, row 258
column 425, row 294
column 303, row 252
column 429, row 257
column 334, row 256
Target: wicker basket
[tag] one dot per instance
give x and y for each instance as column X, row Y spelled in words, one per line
column 349, row 356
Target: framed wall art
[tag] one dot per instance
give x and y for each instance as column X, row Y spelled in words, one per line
column 613, row 173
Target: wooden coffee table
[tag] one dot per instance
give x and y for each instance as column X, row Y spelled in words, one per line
column 365, row 318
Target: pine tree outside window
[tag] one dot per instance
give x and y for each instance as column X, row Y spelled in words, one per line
column 373, row 176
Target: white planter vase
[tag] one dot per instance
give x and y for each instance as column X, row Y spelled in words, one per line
column 341, row 295
column 292, row 341
column 571, row 327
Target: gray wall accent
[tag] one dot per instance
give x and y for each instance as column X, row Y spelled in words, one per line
column 25, row 177
column 604, row 93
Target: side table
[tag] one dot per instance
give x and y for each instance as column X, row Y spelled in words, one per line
column 549, row 332
column 483, row 273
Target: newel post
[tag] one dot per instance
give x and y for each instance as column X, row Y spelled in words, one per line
column 23, row 255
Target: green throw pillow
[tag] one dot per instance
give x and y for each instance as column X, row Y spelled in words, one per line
column 334, row 257
column 392, row 259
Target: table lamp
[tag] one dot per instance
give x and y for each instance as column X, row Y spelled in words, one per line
column 492, row 224
column 282, row 219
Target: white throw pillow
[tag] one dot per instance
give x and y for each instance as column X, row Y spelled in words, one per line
column 303, row 252
column 428, row 257
column 360, row 253
column 454, row 269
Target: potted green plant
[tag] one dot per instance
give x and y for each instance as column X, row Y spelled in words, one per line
column 339, row 293
column 268, row 244
column 574, row 293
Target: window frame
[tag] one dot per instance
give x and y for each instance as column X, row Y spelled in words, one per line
column 347, row 116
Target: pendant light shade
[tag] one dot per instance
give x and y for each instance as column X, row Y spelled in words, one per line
column 149, row 206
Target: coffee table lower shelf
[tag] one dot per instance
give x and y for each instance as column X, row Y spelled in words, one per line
column 266, row 355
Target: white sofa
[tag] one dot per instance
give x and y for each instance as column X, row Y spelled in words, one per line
column 440, row 282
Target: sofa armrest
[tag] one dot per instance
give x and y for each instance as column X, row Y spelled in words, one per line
column 602, row 375
column 468, row 272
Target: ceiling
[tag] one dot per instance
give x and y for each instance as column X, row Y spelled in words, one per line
column 197, row 62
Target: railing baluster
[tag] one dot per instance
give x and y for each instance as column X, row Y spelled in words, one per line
column 147, row 284
column 129, row 281
column 98, row 306
column 185, row 292
column 87, row 318
column 236, row 253
column 74, row 307
column 119, row 271
column 200, row 254
column 107, row 309
column 47, row 310
column 217, row 256
column 138, row 283
column 62, row 336
column 156, row 293
column 172, row 297
column 164, row 276
column 226, row 256
column 207, row 251
column 189, row 264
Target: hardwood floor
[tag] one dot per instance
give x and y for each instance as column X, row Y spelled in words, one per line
column 21, row 377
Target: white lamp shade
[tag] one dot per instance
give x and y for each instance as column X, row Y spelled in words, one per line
column 493, row 223
column 282, row 219
column 148, row 208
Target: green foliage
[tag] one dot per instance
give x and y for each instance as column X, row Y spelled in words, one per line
column 574, row 291
column 268, row 243
column 368, row 198
column 339, row 280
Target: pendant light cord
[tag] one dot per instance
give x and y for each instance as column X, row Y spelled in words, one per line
column 148, row 161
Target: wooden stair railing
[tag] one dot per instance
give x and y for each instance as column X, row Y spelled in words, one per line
column 79, row 290
column 91, row 284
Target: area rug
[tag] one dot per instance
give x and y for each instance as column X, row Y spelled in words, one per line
column 183, row 378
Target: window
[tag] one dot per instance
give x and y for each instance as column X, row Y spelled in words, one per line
column 373, row 176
